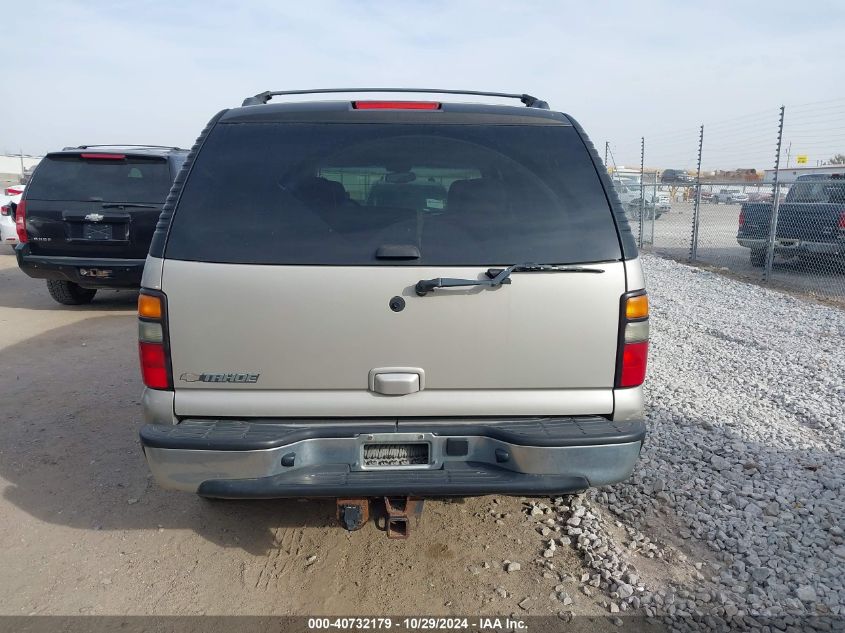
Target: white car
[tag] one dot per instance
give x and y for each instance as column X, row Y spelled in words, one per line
column 8, row 233
column 729, row 196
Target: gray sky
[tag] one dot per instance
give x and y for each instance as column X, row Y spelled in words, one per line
column 155, row 72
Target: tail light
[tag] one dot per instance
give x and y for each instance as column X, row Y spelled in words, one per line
column 742, row 218
column 633, row 340
column 104, row 156
column 6, row 210
column 14, row 190
column 153, row 348
column 396, row 105
column 20, row 222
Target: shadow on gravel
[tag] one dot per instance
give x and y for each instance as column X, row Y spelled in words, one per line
column 69, row 450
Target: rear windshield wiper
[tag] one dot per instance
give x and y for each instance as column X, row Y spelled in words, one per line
column 137, row 205
column 498, row 276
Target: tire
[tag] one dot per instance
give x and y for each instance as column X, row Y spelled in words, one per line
column 758, row 258
column 68, row 293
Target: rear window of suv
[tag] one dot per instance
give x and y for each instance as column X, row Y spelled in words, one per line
column 333, row 193
column 71, row 177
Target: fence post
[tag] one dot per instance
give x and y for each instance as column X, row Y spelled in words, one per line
column 642, row 188
column 693, row 247
column 606, row 148
column 773, row 221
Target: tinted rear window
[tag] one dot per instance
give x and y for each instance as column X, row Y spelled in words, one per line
column 75, row 178
column 291, row 193
column 828, row 189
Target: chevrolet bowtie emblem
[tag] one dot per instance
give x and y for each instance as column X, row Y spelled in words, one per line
column 94, row 217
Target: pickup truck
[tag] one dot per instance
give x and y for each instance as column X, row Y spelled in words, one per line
column 728, row 196
column 811, row 221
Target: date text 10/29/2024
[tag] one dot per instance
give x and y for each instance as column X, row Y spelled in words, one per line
column 417, row 624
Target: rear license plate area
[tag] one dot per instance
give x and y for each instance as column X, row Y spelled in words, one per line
column 392, row 455
column 92, row 231
column 97, row 273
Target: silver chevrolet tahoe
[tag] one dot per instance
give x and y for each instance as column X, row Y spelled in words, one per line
column 367, row 299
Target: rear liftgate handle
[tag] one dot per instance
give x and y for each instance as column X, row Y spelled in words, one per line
column 396, row 381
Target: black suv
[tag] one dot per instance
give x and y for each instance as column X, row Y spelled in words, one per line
column 88, row 215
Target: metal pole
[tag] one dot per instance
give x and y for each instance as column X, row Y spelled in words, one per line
column 606, row 149
column 773, row 222
column 653, row 208
column 642, row 189
column 696, row 210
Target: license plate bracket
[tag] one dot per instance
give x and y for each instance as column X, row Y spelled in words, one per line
column 396, row 454
column 97, row 231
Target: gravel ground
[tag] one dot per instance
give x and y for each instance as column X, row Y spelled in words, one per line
column 743, row 469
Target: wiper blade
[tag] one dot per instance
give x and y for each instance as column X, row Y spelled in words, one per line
column 543, row 268
column 137, row 205
column 497, row 276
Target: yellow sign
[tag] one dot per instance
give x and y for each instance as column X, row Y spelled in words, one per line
column 801, row 159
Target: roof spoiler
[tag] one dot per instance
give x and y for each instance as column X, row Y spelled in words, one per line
column 528, row 100
column 119, row 145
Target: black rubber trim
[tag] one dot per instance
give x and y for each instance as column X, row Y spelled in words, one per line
column 237, row 435
column 627, row 241
column 463, row 479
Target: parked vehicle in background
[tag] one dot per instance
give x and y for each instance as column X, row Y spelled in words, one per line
column 338, row 342
column 811, row 221
column 8, row 232
column 728, row 196
column 87, row 217
column 630, row 195
column 14, row 190
column 671, row 176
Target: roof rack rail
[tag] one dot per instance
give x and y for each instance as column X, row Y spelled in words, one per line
column 122, row 145
column 528, row 100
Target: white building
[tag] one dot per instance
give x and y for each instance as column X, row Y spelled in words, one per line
column 787, row 176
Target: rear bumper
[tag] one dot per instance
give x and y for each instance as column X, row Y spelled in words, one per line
column 538, row 456
column 120, row 273
column 784, row 246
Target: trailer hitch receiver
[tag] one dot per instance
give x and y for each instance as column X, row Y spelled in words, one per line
column 399, row 512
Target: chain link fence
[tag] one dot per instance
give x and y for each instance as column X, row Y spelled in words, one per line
column 708, row 196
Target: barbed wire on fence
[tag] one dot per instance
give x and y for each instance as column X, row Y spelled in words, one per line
column 768, row 202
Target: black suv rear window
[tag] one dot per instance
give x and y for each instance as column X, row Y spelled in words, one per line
column 295, row 193
column 71, row 177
